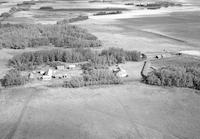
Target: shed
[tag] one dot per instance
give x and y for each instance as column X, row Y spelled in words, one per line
column 41, row 72
column 122, row 73
column 46, row 77
column 31, row 76
column 49, row 72
column 66, row 76
column 58, row 76
column 72, row 66
column 60, row 67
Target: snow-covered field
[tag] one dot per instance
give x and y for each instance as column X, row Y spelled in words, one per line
column 146, row 12
column 191, row 52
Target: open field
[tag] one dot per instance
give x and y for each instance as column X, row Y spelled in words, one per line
column 61, row 10
column 183, row 27
column 171, row 32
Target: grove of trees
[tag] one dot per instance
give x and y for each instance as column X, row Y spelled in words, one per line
column 93, row 77
column 175, row 76
column 19, row 36
column 13, row 78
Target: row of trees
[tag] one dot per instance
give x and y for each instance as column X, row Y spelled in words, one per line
column 120, row 55
column 59, row 35
column 93, row 77
column 29, row 60
column 175, row 76
column 73, row 19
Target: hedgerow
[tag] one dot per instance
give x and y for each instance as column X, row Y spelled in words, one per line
column 60, row 35
column 74, row 19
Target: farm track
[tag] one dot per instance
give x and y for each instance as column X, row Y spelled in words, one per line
column 15, row 126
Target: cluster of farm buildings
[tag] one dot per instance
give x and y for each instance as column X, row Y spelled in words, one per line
column 68, row 71
column 60, row 72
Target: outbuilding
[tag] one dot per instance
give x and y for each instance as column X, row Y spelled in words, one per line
column 60, row 67
column 49, row 72
column 46, row 78
column 31, row 76
column 122, row 73
column 72, row 66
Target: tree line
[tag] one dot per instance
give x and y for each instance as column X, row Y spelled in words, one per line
column 107, row 57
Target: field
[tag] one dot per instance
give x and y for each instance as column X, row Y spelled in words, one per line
column 127, row 111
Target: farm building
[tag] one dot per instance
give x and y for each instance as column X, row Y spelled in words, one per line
column 122, row 73
column 49, row 72
column 62, row 76
column 46, row 77
column 41, row 72
column 60, row 67
column 72, row 66
column 31, row 76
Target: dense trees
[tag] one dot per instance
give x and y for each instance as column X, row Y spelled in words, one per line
column 175, row 76
column 60, row 35
column 29, row 60
column 13, row 78
column 5, row 14
column 121, row 55
column 93, row 77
